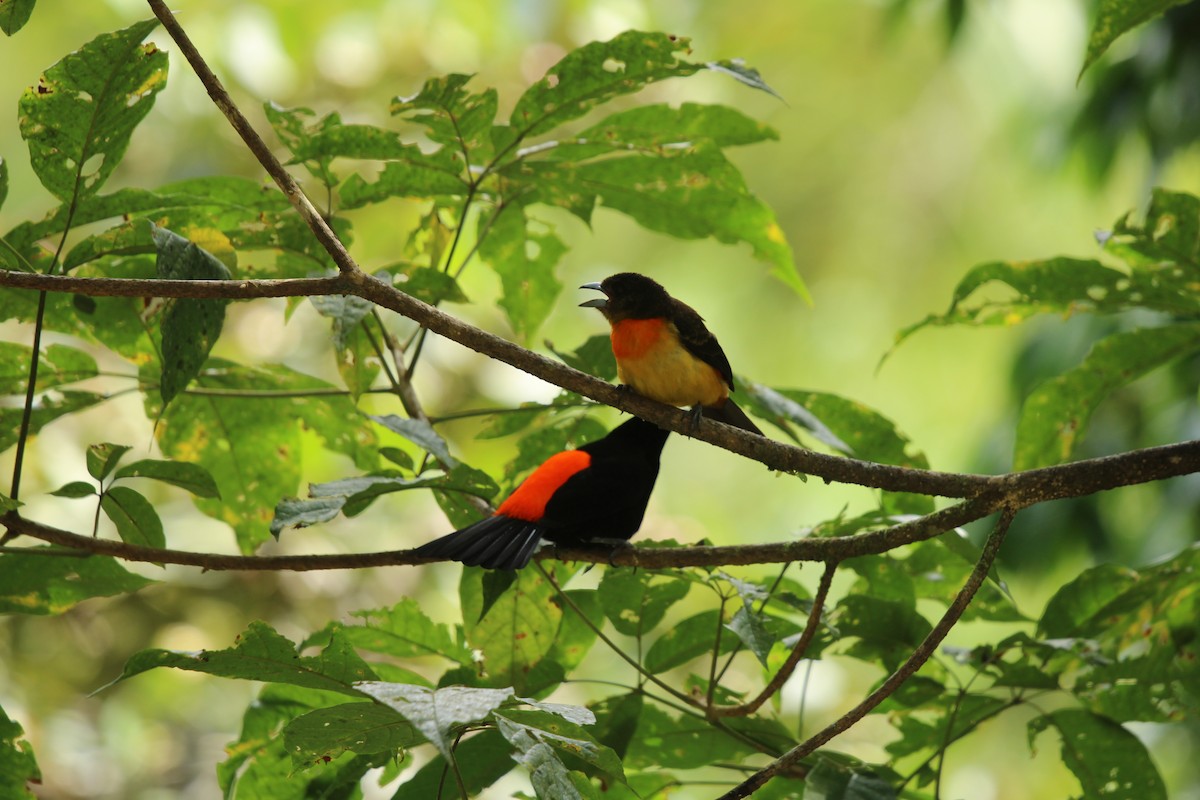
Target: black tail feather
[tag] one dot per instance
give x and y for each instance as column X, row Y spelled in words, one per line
column 730, row 414
column 497, row 542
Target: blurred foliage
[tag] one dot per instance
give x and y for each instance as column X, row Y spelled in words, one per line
column 395, row 698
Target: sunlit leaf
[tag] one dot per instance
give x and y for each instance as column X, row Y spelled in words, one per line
column 524, row 254
column 404, row 631
column 79, row 117
column 42, row 584
column 437, row 713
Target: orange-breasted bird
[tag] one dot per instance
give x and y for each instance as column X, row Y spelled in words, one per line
column 663, row 349
column 595, row 493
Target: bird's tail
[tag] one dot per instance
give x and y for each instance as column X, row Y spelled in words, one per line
column 729, row 413
column 498, row 542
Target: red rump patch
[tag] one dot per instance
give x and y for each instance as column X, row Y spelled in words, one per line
column 528, row 502
column 631, row 338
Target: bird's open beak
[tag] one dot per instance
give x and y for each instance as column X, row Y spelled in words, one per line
column 598, row 302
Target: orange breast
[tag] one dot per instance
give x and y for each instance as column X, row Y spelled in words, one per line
column 528, row 502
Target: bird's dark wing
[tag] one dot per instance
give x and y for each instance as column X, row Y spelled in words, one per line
column 698, row 339
column 497, row 542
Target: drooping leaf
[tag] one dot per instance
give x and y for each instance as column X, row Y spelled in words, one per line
column 3, row 176
column 437, row 713
column 79, row 117
column 1116, row 17
column 524, row 254
column 357, row 360
column 421, row 434
column 136, row 520
column 1108, row 760
column 752, row 630
column 262, row 654
column 190, row 327
column 192, row 477
column 40, row 584
column 1055, row 416
column 18, row 767
column 102, row 458
column 572, row 743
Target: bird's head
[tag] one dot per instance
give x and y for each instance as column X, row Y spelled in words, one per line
column 628, row 295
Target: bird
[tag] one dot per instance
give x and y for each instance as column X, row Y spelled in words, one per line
column 664, row 351
column 594, row 494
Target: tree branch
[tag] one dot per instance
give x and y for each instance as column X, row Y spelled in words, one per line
column 906, row 670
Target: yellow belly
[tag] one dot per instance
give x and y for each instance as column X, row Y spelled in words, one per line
column 668, row 373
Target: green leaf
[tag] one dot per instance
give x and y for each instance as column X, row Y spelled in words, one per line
column 887, row 631
column 103, row 458
column 409, row 173
column 1108, row 760
column 596, row 73
column 405, row 631
column 751, row 629
column 693, row 192
column 14, row 14
column 437, row 713
column 75, row 489
column 452, row 115
column 296, row 128
column 1055, row 416
column 357, row 360
column 575, row 637
column 136, row 520
column 18, row 767
column 1170, row 235
column 47, row 408
column 261, row 654
column 1077, row 602
column 79, row 117
column 3, row 166
column 838, row 777
column 691, row 638
column 524, row 258
column 421, row 434
column 192, row 477
column 252, row 447
column 363, row 728
column 190, row 327
column 58, row 365
column 1116, row 17
column 427, row 284
column 617, row 720
column 571, row 743
column 594, row 356
column 42, row 584
column 293, row 512
column 636, row 601
column 481, row 760
column 518, row 631
column 684, row 742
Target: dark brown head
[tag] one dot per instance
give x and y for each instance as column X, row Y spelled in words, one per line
column 629, row 295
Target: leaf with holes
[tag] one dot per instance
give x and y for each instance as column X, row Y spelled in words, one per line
column 79, row 117
column 524, row 254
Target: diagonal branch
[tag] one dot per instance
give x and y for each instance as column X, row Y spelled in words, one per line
column 893, row 682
